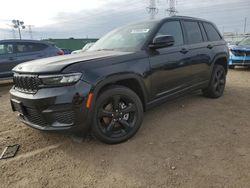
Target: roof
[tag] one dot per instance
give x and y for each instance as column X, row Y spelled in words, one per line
column 186, row 18
column 171, row 18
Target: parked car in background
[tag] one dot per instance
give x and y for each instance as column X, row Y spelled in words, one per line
column 13, row 52
column 66, row 51
column 129, row 70
column 240, row 53
column 85, row 48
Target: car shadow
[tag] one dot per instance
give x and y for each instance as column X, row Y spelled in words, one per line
column 242, row 69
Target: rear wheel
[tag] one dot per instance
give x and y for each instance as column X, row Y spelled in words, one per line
column 217, row 83
column 118, row 115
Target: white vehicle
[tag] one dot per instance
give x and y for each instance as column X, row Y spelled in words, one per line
column 85, row 48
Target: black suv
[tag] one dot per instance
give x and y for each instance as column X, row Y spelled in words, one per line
column 129, row 70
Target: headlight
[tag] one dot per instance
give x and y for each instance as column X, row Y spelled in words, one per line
column 61, row 79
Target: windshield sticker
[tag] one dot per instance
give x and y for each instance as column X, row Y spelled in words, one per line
column 140, row 31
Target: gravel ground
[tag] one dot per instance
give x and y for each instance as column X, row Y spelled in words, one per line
column 189, row 142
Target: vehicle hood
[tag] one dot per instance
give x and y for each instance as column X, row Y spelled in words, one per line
column 240, row 47
column 58, row 63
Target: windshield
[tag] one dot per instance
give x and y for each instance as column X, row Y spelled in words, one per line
column 126, row 38
column 245, row 41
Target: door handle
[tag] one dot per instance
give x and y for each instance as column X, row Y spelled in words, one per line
column 11, row 58
column 184, row 50
column 209, row 46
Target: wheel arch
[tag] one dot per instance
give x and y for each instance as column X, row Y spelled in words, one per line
column 221, row 60
column 131, row 81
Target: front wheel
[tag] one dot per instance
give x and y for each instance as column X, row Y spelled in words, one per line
column 118, row 115
column 217, row 83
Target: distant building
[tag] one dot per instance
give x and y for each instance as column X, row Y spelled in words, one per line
column 71, row 43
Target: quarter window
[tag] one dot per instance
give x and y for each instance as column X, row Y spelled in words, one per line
column 193, row 32
column 30, row 47
column 172, row 28
column 212, row 33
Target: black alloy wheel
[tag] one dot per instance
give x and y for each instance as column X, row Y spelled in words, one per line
column 217, row 83
column 118, row 115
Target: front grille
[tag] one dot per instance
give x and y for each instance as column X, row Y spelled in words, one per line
column 241, row 53
column 65, row 117
column 35, row 117
column 26, row 83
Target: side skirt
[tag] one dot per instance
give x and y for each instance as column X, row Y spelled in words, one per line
column 177, row 94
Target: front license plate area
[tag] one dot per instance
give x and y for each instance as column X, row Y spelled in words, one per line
column 17, row 106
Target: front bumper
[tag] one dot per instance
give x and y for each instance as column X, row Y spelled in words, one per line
column 239, row 60
column 54, row 109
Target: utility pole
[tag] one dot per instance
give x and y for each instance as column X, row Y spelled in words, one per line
column 172, row 7
column 245, row 25
column 30, row 31
column 17, row 24
column 151, row 9
column 14, row 33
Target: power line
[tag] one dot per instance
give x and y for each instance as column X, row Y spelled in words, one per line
column 151, row 9
column 172, row 7
column 30, row 30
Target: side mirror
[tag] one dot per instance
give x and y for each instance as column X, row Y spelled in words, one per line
column 162, row 41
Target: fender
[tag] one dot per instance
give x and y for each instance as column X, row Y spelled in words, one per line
column 216, row 57
column 115, row 78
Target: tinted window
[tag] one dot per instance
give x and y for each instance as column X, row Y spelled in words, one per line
column 203, row 32
column 6, row 48
column 38, row 47
column 172, row 28
column 212, row 33
column 193, row 32
column 30, row 47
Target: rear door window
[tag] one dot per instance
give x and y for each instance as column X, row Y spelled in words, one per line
column 193, row 32
column 203, row 32
column 212, row 33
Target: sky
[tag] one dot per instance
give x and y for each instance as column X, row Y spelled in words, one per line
column 94, row 18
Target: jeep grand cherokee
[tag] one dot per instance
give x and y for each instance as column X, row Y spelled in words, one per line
column 131, row 69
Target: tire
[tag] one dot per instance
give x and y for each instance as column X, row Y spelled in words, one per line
column 231, row 66
column 217, row 83
column 118, row 115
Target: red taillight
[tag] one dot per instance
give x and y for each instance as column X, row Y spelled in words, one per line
column 60, row 52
